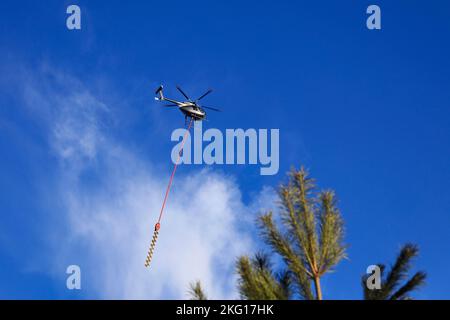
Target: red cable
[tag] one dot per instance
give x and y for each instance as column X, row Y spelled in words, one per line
column 157, row 225
column 173, row 174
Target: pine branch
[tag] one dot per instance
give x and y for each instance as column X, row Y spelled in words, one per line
column 257, row 281
column 295, row 227
column 396, row 275
column 331, row 234
column 281, row 245
column 399, row 270
column 284, row 278
column 310, row 245
column 414, row 283
column 303, row 187
column 196, row 292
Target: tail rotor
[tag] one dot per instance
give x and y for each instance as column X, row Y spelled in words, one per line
column 159, row 93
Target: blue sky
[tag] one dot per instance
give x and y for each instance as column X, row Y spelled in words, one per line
column 366, row 111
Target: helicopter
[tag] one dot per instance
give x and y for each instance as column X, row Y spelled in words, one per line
column 190, row 108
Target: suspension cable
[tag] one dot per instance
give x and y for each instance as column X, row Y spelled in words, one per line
column 158, row 223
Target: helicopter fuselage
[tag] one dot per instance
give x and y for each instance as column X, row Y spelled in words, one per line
column 192, row 111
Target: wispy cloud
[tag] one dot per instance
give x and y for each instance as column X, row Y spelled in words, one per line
column 111, row 198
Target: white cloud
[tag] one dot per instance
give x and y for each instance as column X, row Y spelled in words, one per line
column 110, row 215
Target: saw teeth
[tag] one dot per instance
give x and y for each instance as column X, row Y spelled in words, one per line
column 152, row 248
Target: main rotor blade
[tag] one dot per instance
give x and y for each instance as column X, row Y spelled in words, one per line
column 205, row 94
column 211, row 108
column 184, row 94
column 170, row 105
